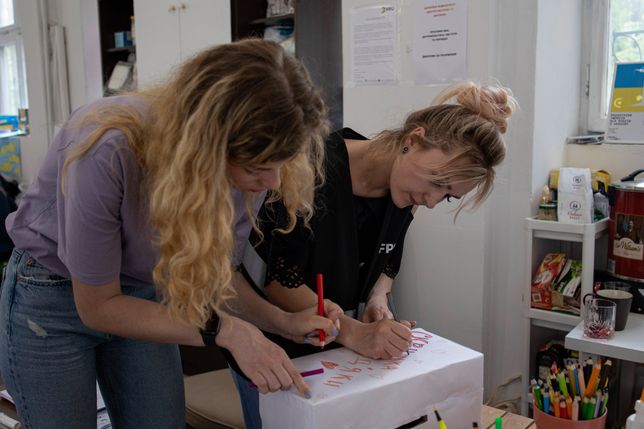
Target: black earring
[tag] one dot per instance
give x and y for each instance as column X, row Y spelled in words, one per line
column 405, row 149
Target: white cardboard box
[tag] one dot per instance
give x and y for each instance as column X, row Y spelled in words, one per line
column 357, row 392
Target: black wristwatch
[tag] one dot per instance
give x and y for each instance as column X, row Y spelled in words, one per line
column 210, row 331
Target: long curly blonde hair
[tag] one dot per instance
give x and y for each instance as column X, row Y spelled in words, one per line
column 466, row 121
column 244, row 104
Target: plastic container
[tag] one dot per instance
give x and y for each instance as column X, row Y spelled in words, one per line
column 636, row 420
column 546, row 421
column 545, row 358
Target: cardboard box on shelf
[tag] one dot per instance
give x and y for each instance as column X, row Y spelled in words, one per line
column 541, row 289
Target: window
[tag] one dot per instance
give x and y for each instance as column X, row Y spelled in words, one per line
column 617, row 34
column 12, row 81
column 6, row 13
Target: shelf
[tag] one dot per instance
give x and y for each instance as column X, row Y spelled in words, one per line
column 274, row 19
column 584, row 234
column 553, row 319
column 627, row 344
column 131, row 48
column 13, row 134
column 565, row 231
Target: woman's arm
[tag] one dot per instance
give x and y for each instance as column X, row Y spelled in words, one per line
column 383, row 339
column 293, row 322
column 290, row 299
column 104, row 308
column 376, row 307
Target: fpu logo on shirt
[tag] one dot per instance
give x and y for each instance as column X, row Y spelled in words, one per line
column 386, row 247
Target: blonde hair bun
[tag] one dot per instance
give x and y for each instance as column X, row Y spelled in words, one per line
column 494, row 103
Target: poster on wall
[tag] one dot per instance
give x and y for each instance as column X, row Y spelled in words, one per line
column 626, row 112
column 440, row 41
column 374, row 45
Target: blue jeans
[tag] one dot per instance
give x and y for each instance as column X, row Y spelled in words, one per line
column 249, row 397
column 50, row 360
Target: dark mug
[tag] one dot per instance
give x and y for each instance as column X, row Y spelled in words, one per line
column 622, row 299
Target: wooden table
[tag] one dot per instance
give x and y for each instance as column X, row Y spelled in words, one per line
column 510, row 421
column 488, row 415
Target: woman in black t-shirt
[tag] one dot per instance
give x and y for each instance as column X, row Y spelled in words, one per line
column 365, row 207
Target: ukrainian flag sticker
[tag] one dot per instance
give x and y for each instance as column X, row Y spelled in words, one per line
column 627, row 104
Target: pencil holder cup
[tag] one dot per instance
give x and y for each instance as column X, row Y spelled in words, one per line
column 546, row 421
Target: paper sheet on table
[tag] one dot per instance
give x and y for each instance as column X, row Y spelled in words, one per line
column 358, row 392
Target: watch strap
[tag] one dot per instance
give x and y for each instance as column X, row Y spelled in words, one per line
column 210, row 331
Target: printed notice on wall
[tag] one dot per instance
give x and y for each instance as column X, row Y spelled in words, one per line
column 626, row 116
column 374, row 45
column 440, row 41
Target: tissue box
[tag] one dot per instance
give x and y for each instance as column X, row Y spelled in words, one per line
column 358, row 392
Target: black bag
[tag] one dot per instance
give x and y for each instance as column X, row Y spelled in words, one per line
column 8, row 193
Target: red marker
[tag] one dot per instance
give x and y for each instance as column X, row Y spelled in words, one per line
column 320, row 284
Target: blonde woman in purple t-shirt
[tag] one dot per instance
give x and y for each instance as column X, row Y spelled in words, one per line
column 127, row 242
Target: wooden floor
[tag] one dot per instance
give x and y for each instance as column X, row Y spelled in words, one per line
column 510, row 421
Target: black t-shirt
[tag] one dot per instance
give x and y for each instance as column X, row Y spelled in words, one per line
column 369, row 214
column 351, row 240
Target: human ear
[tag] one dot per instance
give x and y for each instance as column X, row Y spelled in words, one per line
column 419, row 131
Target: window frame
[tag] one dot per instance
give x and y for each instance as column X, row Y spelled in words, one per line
column 12, row 35
column 15, row 20
column 597, row 67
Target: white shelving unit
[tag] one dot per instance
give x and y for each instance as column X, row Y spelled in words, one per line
column 626, row 345
column 543, row 237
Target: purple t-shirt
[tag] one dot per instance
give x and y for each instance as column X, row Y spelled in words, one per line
column 97, row 230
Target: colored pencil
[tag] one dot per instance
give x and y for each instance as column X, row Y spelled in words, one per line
column 575, row 408
column 320, row 287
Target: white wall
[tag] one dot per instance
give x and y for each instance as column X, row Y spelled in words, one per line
column 618, row 159
column 504, row 324
column 557, row 86
column 466, row 280
column 431, row 284
column 538, row 54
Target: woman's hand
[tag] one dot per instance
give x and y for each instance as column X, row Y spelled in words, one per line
column 376, row 309
column 384, row 339
column 303, row 326
column 261, row 360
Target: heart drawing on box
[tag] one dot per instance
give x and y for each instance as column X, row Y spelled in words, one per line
column 328, row 365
